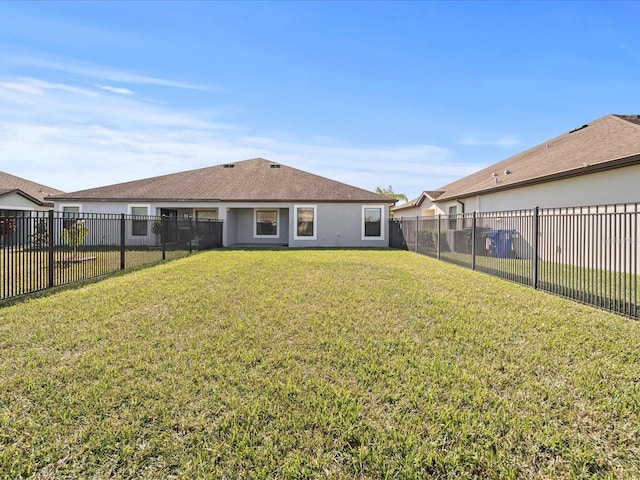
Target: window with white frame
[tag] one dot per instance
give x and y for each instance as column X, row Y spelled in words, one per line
column 453, row 217
column 265, row 223
column 139, row 220
column 372, row 222
column 70, row 215
column 306, row 224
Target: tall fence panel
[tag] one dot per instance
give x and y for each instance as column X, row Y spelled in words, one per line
column 589, row 254
column 46, row 249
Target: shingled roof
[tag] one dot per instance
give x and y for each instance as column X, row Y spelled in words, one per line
column 416, row 202
column 37, row 193
column 610, row 142
column 255, row 180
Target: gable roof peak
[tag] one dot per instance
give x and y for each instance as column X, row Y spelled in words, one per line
column 252, row 180
column 635, row 119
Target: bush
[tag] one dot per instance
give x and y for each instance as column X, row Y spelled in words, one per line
column 75, row 235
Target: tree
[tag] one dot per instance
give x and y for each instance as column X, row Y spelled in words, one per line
column 75, row 235
column 388, row 192
column 40, row 237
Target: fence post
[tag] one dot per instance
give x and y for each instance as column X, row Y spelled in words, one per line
column 438, row 250
column 122, row 241
column 50, row 250
column 191, row 234
column 534, row 270
column 473, row 241
column 417, row 227
column 163, row 237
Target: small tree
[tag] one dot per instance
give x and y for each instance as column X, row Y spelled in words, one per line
column 40, row 237
column 75, row 235
column 157, row 227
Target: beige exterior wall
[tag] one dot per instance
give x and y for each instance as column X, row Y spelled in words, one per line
column 610, row 187
column 13, row 201
column 425, row 210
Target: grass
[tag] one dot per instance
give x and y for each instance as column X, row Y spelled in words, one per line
column 316, row 364
column 615, row 291
column 26, row 271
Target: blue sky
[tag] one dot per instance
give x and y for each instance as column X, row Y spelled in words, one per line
column 408, row 94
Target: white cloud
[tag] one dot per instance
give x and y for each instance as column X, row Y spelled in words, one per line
column 96, row 71
column 74, row 138
column 506, row 141
column 118, row 90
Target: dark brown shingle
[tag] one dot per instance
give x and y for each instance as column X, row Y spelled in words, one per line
column 249, row 180
column 40, row 193
column 609, row 142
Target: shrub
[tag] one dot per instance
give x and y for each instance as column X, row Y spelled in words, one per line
column 75, row 235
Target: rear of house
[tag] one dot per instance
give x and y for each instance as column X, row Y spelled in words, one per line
column 261, row 203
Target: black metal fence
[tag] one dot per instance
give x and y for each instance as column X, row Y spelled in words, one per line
column 589, row 254
column 46, row 249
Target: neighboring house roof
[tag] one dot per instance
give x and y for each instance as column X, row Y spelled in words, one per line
column 249, row 180
column 35, row 192
column 610, row 142
column 416, row 202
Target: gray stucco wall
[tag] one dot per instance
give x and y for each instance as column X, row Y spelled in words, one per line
column 340, row 225
column 244, row 226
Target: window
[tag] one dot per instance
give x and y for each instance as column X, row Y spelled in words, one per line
column 70, row 215
column 305, row 222
column 266, row 223
column 453, row 221
column 207, row 214
column 139, row 225
column 372, row 222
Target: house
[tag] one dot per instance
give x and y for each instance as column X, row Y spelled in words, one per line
column 19, row 196
column 595, row 164
column 260, row 202
column 423, row 206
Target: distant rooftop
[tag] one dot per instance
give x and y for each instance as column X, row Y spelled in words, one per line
column 609, row 142
column 36, row 191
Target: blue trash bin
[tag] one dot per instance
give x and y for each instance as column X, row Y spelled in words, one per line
column 500, row 242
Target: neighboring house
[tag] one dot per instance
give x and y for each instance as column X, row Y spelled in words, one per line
column 423, row 206
column 596, row 164
column 19, row 196
column 261, row 203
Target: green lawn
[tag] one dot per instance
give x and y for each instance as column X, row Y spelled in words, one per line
column 316, row 364
column 26, row 271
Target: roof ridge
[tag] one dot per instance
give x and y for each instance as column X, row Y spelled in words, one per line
column 254, row 179
column 632, row 119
